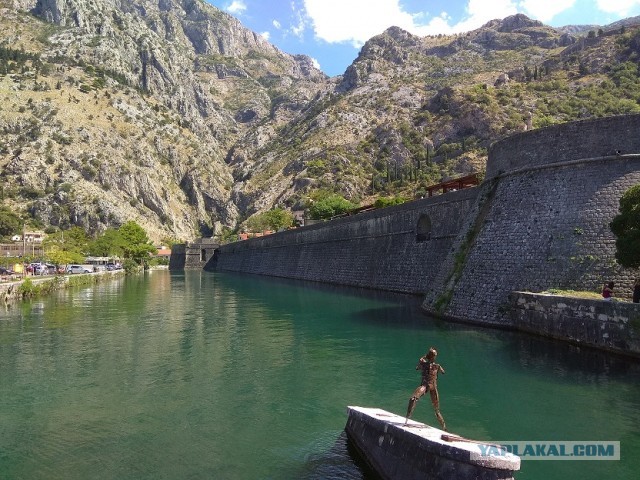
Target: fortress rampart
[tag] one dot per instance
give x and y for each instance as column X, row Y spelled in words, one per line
column 540, row 220
column 587, row 139
column 399, row 248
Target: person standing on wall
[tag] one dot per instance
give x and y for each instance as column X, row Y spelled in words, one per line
column 636, row 291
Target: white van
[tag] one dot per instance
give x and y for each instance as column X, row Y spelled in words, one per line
column 77, row 269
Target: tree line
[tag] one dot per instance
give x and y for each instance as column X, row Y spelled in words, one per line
column 130, row 242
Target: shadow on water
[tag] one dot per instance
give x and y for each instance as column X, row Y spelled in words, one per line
column 404, row 316
column 341, row 462
column 532, row 351
column 272, row 283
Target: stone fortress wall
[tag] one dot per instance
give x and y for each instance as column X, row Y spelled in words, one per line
column 539, row 220
column 542, row 219
column 378, row 249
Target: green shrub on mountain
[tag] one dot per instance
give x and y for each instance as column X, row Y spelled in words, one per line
column 329, row 205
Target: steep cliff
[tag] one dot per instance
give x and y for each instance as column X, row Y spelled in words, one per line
column 171, row 113
column 133, row 108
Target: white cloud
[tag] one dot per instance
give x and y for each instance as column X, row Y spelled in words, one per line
column 479, row 12
column 265, row 35
column 545, row 10
column 236, row 7
column 316, row 63
column 619, row 7
column 299, row 27
column 277, row 24
column 356, row 21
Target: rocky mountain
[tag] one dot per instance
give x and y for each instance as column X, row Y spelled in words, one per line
column 134, row 108
column 171, row 113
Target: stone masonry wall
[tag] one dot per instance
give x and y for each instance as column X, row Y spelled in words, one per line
column 600, row 137
column 194, row 255
column 178, row 258
column 377, row 249
column 612, row 326
column 541, row 226
column 540, row 220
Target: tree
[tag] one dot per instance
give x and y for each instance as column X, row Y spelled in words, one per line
column 58, row 256
column 77, row 239
column 68, row 246
column 626, row 227
column 135, row 243
column 257, row 223
column 329, row 205
column 383, row 202
column 278, row 218
column 106, row 245
column 10, row 223
column 274, row 219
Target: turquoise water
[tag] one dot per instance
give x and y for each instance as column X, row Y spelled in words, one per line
column 221, row 376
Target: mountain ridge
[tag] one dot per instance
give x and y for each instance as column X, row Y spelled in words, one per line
column 171, row 113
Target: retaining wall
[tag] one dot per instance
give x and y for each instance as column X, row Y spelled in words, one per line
column 377, row 249
column 608, row 325
column 10, row 291
column 593, row 138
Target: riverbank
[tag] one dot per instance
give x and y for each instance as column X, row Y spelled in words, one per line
column 30, row 287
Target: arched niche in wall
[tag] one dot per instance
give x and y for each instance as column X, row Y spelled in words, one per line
column 423, row 229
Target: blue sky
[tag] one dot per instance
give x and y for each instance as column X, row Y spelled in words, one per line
column 332, row 31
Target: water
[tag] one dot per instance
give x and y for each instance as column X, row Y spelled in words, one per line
column 221, row 376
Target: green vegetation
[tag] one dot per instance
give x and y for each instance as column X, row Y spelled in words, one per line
column 67, row 246
column 626, row 227
column 326, row 205
column 388, row 201
column 12, row 60
column 135, row 244
column 130, row 241
column 30, row 289
column 574, row 293
column 106, row 245
column 275, row 219
column 10, row 223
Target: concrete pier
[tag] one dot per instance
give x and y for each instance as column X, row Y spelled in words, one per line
column 418, row 451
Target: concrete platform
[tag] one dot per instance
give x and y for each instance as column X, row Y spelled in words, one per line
column 418, row 451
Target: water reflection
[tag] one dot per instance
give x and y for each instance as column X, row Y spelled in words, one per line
column 228, row 376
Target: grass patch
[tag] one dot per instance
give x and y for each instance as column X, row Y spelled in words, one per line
column 574, row 293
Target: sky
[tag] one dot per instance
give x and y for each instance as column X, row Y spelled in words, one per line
column 332, row 32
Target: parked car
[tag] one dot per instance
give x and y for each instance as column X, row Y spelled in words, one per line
column 5, row 271
column 39, row 269
column 77, row 269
